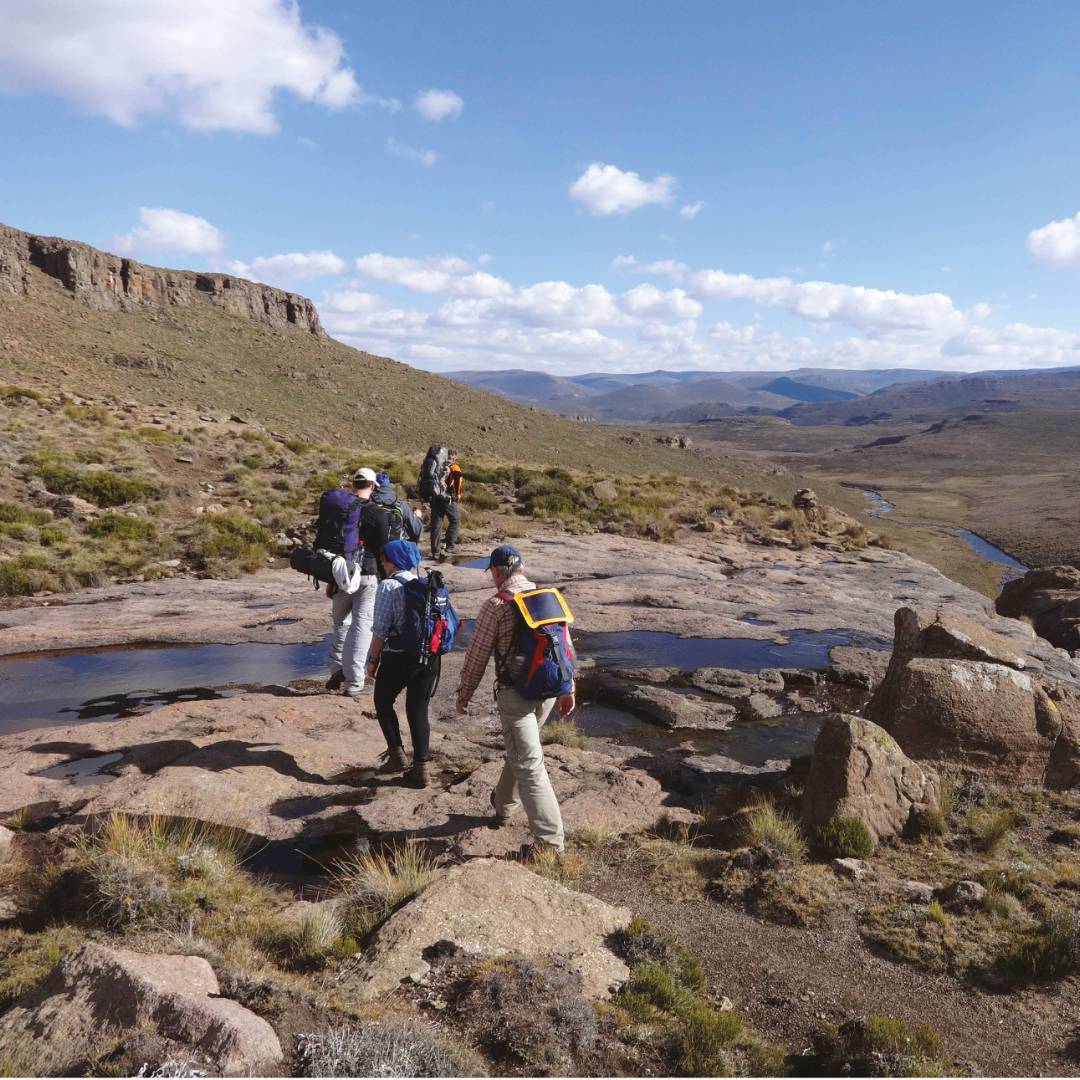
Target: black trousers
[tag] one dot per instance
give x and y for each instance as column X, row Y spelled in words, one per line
column 450, row 509
column 403, row 671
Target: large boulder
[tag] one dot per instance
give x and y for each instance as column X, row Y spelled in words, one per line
column 491, row 907
column 97, row 994
column 960, row 695
column 1050, row 598
column 858, row 770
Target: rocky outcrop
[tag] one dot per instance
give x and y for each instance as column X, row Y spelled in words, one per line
column 1050, row 598
column 98, row 994
column 962, row 696
column 107, row 282
column 858, row 770
column 495, row 908
column 666, row 707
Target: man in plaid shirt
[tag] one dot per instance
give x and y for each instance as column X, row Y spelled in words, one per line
column 524, row 781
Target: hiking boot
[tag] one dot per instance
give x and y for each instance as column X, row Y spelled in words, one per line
column 394, row 760
column 419, row 775
column 539, row 849
column 498, row 818
column 336, row 680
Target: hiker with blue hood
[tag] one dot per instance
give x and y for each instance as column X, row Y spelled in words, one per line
column 414, row 625
column 404, row 523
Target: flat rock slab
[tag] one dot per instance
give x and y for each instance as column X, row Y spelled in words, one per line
column 289, row 767
column 491, row 907
column 97, row 994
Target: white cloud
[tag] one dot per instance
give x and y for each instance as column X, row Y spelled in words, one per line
column 210, row 66
column 691, row 210
column 623, row 262
column 399, row 149
column 355, row 302
column 606, row 189
column 437, row 274
column 827, row 247
column 826, row 301
column 666, row 268
column 285, row 270
column 438, row 105
column 1056, row 244
column 647, row 301
column 161, row 229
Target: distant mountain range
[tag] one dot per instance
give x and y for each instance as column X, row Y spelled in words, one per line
column 804, row 395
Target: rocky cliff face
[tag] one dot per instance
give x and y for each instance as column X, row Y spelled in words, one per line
column 108, row 282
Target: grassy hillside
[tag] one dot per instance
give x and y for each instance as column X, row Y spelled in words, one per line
column 289, row 380
column 155, row 439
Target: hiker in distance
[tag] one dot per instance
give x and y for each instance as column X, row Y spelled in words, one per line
column 405, row 523
column 352, row 525
column 414, row 625
column 526, row 629
column 440, row 483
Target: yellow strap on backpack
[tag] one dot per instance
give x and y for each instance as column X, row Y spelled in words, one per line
column 540, row 607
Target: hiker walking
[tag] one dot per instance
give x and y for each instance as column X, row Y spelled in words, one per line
column 403, row 522
column 440, row 483
column 352, row 526
column 414, row 624
column 527, row 631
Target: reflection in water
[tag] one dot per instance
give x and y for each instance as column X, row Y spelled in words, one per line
column 1014, row 568
column 99, row 684
column 878, row 504
column 109, row 683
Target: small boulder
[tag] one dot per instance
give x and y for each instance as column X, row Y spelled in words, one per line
column 97, row 992
column 493, row 907
column 962, row 894
column 7, row 839
column 1050, row 598
column 604, row 491
column 917, row 892
column 858, row 770
column 852, row 869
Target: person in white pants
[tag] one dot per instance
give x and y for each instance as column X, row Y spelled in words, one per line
column 353, row 594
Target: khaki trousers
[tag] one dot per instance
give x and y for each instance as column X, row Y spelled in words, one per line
column 524, row 781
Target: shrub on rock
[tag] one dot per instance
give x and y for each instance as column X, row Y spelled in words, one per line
column 844, row 838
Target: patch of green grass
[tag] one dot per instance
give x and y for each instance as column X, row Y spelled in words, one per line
column 27, row 960
column 157, row 436
column 10, row 393
column 562, row 732
column 478, row 499
column 374, row 884
column 764, row 821
column 1051, row 952
column 880, row 1045
column 706, row 1034
column 99, row 486
column 229, row 542
column 122, row 527
column 844, row 838
column 94, row 414
column 991, row 828
column 16, row 514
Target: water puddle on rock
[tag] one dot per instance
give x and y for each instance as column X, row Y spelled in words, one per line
column 650, row 648
column 694, row 761
column 103, row 684
column 83, row 772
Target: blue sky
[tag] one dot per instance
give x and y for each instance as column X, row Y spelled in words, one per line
column 573, row 187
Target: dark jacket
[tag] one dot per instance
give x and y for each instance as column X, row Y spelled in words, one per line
column 386, row 496
column 374, row 532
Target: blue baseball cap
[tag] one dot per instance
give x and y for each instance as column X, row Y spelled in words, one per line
column 505, row 557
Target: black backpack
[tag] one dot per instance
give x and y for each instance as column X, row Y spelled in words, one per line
column 432, row 479
column 314, row 564
column 395, row 517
